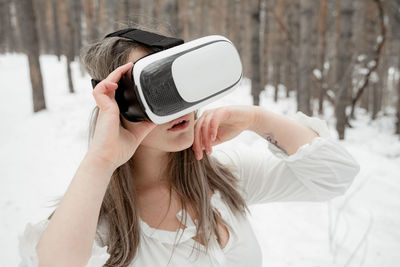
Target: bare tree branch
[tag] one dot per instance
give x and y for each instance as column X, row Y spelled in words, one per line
column 381, row 39
column 282, row 26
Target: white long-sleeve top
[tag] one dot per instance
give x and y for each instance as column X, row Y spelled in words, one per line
column 316, row 172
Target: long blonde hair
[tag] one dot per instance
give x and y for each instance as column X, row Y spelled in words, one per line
column 192, row 180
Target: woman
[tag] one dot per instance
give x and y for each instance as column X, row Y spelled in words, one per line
column 148, row 195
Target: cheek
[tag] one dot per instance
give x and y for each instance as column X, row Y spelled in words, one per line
column 152, row 138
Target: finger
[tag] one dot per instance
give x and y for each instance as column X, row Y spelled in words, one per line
column 202, row 129
column 196, row 139
column 101, row 94
column 197, row 146
column 206, row 136
column 214, row 125
column 116, row 75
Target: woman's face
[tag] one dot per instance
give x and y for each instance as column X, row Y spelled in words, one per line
column 161, row 137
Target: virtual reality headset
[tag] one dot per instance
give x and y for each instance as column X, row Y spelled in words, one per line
column 178, row 79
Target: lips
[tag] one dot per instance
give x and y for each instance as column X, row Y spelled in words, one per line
column 178, row 120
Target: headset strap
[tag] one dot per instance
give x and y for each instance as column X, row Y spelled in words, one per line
column 145, row 38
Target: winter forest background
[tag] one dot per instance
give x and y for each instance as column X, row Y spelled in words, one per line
column 336, row 60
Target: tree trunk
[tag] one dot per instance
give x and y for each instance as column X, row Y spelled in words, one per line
column 395, row 33
column 314, row 52
column 5, row 27
column 184, row 18
column 168, row 14
column 27, row 24
column 255, row 52
column 344, row 57
column 264, row 37
column 321, row 55
column 193, row 11
column 277, row 52
column 305, row 68
column 68, row 38
column 377, row 95
column 371, row 23
column 91, row 15
column 331, row 45
column 239, row 26
column 362, row 44
column 245, row 33
column 398, row 107
column 57, row 36
column 76, row 8
column 288, row 46
column 294, row 26
column 43, row 31
column 231, row 20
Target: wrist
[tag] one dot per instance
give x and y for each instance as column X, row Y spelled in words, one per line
column 257, row 116
column 93, row 159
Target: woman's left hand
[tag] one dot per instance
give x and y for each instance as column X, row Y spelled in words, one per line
column 219, row 125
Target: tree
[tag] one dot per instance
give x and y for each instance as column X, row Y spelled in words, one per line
column 321, row 54
column 4, row 24
column 255, row 52
column 29, row 36
column 57, row 36
column 294, row 30
column 91, row 19
column 305, row 50
column 344, row 66
column 371, row 66
column 398, row 105
column 395, row 34
column 277, row 11
column 70, row 41
column 41, row 15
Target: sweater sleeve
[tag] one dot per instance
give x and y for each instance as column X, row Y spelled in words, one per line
column 29, row 239
column 316, row 172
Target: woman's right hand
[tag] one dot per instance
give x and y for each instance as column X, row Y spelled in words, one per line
column 113, row 144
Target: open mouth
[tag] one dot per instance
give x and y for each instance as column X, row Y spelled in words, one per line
column 179, row 124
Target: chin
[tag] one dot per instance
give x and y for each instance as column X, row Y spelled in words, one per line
column 181, row 147
column 184, row 143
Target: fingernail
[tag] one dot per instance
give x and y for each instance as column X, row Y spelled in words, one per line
column 213, row 137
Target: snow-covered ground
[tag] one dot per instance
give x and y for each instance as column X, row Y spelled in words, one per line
column 39, row 154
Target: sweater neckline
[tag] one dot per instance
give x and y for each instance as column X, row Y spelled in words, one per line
column 186, row 235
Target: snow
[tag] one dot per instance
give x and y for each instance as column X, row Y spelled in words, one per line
column 394, row 74
column 326, row 65
column 40, row 153
column 371, row 64
column 317, row 73
column 361, row 58
column 379, row 39
column 330, row 93
column 363, row 71
column 374, row 78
